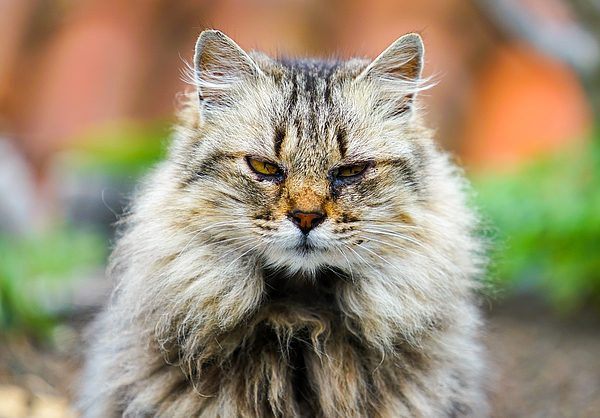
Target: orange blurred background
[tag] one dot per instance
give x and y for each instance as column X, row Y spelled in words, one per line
column 69, row 66
column 515, row 80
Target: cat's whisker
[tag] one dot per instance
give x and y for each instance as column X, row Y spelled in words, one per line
column 349, row 265
column 241, row 255
column 224, row 222
column 218, row 225
column 396, row 246
column 362, row 258
column 187, row 245
column 196, row 232
column 338, row 275
column 439, row 257
column 401, row 236
column 226, row 225
column 428, row 248
column 221, row 242
column 413, row 284
column 379, row 256
column 394, row 232
column 243, row 243
column 382, row 223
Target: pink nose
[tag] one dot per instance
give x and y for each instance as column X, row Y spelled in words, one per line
column 306, row 221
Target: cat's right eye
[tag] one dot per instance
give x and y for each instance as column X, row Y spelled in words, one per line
column 263, row 168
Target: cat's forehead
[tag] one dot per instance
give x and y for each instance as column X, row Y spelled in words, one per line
column 314, row 82
column 310, row 79
column 310, row 121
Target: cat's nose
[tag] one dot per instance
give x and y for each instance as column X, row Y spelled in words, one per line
column 306, row 221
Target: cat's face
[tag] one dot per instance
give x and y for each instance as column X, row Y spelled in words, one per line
column 300, row 162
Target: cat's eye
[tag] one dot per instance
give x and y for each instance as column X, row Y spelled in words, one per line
column 351, row 170
column 263, row 167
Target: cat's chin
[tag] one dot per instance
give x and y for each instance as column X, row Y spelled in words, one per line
column 303, row 259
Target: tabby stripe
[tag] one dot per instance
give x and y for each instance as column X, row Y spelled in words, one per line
column 210, row 163
column 406, row 171
column 342, row 142
column 278, row 140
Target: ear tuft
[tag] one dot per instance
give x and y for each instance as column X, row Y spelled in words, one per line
column 398, row 70
column 219, row 65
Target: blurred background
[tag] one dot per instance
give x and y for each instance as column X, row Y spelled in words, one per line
column 87, row 93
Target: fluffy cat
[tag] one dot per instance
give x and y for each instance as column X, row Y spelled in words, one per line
column 304, row 251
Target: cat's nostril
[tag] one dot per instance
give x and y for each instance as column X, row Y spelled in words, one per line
column 306, row 221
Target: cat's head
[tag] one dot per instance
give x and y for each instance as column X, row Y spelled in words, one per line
column 304, row 164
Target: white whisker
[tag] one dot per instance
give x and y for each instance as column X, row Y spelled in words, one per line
column 197, row 233
column 361, row 257
column 341, row 277
column 401, row 226
column 397, row 246
column 349, row 265
column 399, row 235
column 241, row 255
column 380, row 257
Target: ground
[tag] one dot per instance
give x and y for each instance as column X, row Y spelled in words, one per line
column 546, row 367
column 543, row 366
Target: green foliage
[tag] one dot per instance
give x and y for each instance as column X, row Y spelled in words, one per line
column 126, row 148
column 39, row 273
column 548, row 220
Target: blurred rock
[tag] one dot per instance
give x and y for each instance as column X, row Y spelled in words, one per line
column 50, row 407
column 17, row 190
column 16, row 402
column 13, row 402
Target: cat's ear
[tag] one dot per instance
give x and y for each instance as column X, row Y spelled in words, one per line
column 397, row 70
column 219, row 66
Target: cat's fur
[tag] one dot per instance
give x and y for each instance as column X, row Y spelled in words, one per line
column 223, row 307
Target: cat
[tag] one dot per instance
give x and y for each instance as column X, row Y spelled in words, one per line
column 305, row 250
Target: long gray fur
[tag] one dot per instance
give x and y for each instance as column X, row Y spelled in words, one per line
column 223, row 307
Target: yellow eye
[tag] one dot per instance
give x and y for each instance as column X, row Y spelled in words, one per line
column 263, row 167
column 351, row 170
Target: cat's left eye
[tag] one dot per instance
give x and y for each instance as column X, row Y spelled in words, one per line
column 351, row 170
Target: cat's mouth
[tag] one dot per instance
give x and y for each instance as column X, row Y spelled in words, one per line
column 300, row 254
column 305, row 247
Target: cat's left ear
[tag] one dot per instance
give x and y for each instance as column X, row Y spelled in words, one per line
column 397, row 70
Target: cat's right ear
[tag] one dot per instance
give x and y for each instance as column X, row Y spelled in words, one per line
column 219, row 66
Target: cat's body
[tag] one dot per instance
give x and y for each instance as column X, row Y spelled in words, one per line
column 305, row 251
